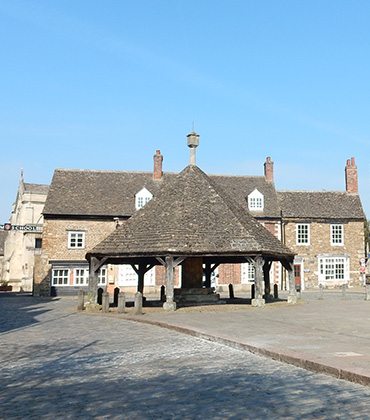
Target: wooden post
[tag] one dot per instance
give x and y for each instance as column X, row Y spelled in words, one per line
column 170, row 304
column 266, row 278
column 258, row 300
column 94, row 266
column 170, row 263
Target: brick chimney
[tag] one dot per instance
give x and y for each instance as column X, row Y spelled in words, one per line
column 158, row 159
column 269, row 169
column 351, row 177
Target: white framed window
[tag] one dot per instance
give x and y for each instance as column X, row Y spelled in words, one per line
column 128, row 277
column 60, row 277
column 102, row 276
column 81, row 276
column 248, row 273
column 142, row 197
column 303, row 234
column 333, row 269
column 255, row 201
column 76, row 239
column 336, row 235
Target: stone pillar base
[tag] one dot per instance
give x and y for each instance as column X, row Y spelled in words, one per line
column 169, row 306
column 258, row 302
column 292, row 299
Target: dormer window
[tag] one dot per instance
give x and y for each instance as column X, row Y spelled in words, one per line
column 255, row 201
column 142, row 197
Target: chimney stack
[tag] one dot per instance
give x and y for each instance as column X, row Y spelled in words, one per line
column 157, row 172
column 269, row 169
column 351, row 177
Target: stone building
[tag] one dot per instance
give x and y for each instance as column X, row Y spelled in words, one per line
column 326, row 231
column 3, row 234
column 195, row 223
column 24, row 235
column 85, row 206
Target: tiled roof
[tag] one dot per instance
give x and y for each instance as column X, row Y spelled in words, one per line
column 112, row 193
column 191, row 215
column 36, row 188
column 98, row 193
column 239, row 187
column 320, row 204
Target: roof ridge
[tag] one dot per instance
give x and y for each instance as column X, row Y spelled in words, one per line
column 108, row 171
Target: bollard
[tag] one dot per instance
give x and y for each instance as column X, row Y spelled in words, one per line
column 115, row 296
column 231, row 291
column 163, row 294
column 253, row 291
column 105, row 302
column 138, row 303
column 367, row 297
column 276, row 291
column 121, row 303
column 100, row 296
column 321, row 296
column 344, row 291
column 80, row 302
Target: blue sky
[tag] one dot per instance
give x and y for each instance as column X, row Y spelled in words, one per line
column 103, row 84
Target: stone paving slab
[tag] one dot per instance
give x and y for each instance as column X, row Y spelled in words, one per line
column 330, row 336
column 57, row 363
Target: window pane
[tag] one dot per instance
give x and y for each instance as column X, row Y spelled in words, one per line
column 303, row 234
column 336, row 234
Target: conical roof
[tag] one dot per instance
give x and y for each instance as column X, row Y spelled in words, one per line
column 191, row 215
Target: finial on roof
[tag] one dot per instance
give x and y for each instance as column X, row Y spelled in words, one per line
column 193, row 143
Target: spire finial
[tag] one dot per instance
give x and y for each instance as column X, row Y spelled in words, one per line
column 193, row 143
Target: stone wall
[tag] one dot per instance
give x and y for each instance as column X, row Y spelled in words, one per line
column 55, row 237
column 41, row 276
column 320, row 244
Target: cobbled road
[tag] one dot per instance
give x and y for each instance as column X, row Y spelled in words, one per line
column 60, row 364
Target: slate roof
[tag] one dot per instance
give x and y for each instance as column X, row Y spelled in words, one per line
column 98, row 193
column 239, row 187
column 192, row 215
column 112, row 193
column 320, row 205
column 36, row 188
column 90, row 193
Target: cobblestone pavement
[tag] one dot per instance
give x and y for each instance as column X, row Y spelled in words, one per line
column 60, row 364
